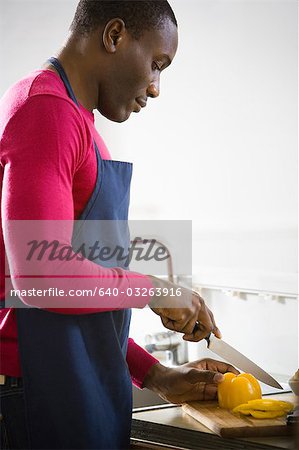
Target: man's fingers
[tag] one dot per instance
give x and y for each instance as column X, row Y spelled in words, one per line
column 188, row 330
column 215, row 330
column 201, row 392
column 204, row 319
column 199, row 333
column 182, row 326
column 221, row 367
column 228, row 368
column 210, row 391
column 213, row 365
column 195, row 337
column 183, row 319
column 203, row 376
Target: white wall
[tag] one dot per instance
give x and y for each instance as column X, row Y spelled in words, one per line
column 220, row 144
column 263, row 328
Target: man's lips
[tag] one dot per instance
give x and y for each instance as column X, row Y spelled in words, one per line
column 141, row 102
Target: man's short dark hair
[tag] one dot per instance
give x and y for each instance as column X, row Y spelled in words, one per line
column 138, row 16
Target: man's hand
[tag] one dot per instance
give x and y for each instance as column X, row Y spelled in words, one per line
column 183, row 312
column 192, row 381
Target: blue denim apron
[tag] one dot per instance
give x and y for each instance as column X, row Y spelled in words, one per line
column 77, row 385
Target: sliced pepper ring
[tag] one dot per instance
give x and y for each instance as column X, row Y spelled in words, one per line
column 263, row 414
column 265, row 405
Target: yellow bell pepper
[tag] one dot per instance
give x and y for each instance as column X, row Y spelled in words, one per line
column 265, row 404
column 264, row 408
column 237, row 389
column 263, row 414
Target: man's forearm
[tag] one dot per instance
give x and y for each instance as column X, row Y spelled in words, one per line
column 140, row 363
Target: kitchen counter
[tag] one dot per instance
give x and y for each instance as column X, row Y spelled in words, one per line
column 169, row 427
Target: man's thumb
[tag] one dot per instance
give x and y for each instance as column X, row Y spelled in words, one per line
column 203, row 376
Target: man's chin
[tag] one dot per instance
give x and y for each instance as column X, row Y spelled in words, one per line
column 118, row 117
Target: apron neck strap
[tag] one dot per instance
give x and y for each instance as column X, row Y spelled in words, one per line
column 63, row 76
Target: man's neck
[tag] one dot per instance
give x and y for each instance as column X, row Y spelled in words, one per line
column 79, row 72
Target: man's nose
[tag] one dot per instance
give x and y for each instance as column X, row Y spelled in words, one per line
column 153, row 90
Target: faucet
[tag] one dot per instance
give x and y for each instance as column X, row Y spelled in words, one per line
column 144, row 242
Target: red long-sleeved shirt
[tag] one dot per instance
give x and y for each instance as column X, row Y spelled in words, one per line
column 48, row 172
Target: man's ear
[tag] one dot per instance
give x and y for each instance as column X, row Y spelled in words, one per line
column 113, row 34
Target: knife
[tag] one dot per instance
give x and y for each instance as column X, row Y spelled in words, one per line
column 234, row 357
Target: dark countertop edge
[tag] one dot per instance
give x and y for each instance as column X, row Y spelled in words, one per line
column 182, row 438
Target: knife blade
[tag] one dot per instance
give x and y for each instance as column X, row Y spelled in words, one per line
column 236, row 358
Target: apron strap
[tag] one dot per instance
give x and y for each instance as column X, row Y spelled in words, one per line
column 56, row 63
column 63, row 76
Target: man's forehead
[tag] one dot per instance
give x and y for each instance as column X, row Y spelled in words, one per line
column 164, row 39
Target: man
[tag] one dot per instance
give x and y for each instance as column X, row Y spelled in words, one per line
column 64, row 369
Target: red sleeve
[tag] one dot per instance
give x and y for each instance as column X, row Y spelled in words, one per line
column 139, row 362
column 41, row 150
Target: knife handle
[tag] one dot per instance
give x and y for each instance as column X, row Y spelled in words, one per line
column 197, row 328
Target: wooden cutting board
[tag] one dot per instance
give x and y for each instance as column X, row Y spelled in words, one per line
column 229, row 425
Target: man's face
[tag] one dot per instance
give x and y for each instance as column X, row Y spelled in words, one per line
column 134, row 72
